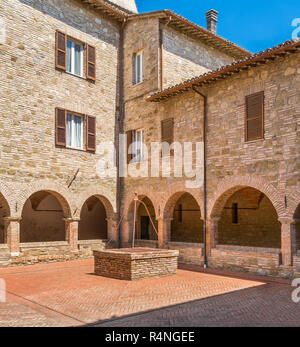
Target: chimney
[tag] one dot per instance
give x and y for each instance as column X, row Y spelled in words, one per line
column 212, row 20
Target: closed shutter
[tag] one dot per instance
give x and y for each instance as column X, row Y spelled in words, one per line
column 129, row 143
column 60, row 127
column 61, row 51
column 255, row 116
column 91, row 134
column 167, row 133
column 91, row 62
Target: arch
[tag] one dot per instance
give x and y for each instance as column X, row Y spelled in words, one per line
column 64, row 196
column 4, row 212
column 43, row 217
column 229, row 186
column 142, row 192
column 94, row 215
column 248, row 219
column 106, row 196
column 296, row 218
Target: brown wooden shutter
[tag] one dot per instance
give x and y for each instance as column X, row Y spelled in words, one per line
column 90, row 134
column 255, row 116
column 91, row 63
column 167, row 133
column 60, row 127
column 61, row 51
column 129, row 143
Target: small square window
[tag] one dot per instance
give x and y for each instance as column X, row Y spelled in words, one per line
column 139, row 67
column 74, row 58
column 74, row 131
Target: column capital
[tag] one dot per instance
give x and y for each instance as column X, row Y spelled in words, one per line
column 286, row 220
column 71, row 220
column 12, row 219
column 164, row 219
column 214, row 219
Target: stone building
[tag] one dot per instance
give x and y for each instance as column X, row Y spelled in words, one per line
column 76, row 74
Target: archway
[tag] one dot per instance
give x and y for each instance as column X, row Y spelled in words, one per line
column 187, row 225
column 43, row 218
column 4, row 212
column 248, row 218
column 144, row 228
column 297, row 226
column 93, row 220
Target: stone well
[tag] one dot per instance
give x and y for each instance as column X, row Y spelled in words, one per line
column 134, row 264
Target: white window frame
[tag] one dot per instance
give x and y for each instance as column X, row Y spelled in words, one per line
column 138, row 146
column 139, row 69
column 81, row 133
column 73, row 44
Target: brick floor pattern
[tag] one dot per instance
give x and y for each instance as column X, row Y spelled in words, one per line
column 69, row 294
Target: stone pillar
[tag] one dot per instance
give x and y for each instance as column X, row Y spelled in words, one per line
column 72, row 233
column 126, row 235
column 288, row 241
column 164, row 232
column 212, row 233
column 12, row 235
column 112, row 232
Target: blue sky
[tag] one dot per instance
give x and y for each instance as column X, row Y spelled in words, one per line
column 254, row 25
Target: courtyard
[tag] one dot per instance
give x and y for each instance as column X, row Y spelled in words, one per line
column 69, row 294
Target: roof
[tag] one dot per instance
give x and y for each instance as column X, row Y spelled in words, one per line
column 191, row 29
column 174, row 20
column 228, row 70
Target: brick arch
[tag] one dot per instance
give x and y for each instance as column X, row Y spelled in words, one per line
column 227, row 187
column 63, row 195
column 103, row 194
column 173, row 193
column 6, row 199
column 293, row 201
column 142, row 192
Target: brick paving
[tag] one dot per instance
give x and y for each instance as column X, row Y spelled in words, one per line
column 69, row 294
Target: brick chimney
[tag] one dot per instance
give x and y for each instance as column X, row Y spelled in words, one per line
column 212, row 20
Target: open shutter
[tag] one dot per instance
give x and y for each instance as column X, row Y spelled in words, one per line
column 255, row 116
column 61, row 51
column 129, row 143
column 60, row 127
column 91, row 63
column 91, row 134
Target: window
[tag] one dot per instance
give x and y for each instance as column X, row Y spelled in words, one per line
column 138, row 67
column 74, row 131
column 74, row 58
column 69, row 130
column 69, row 57
column 255, row 116
column 135, row 143
column 235, row 214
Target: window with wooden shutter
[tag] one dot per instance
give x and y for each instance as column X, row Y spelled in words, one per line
column 255, row 116
column 91, row 63
column 167, row 133
column 61, row 50
column 129, row 143
column 60, row 127
column 91, row 134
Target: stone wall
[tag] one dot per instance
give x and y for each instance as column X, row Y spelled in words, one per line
column 185, row 57
column 31, row 89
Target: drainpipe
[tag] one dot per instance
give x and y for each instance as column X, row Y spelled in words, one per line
column 205, row 175
column 120, row 130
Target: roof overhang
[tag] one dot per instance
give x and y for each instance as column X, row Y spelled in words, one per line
column 256, row 59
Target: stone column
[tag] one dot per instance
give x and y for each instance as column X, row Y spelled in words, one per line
column 212, row 233
column 164, row 231
column 112, row 232
column 288, row 241
column 72, row 233
column 126, row 234
column 12, row 234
